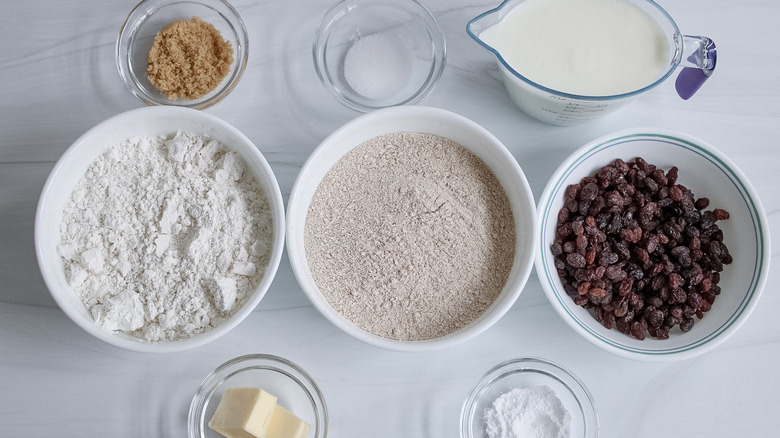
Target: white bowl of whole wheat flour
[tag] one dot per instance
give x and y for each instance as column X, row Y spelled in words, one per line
column 411, row 228
column 160, row 229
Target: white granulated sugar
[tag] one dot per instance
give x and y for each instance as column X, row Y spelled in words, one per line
column 527, row 413
column 163, row 239
column 378, row 66
column 410, row 236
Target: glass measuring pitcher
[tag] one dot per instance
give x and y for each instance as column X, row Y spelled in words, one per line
column 697, row 56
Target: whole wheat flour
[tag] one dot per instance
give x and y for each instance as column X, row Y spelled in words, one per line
column 165, row 238
column 410, row 236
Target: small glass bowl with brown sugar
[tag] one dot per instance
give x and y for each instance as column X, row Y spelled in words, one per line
column 202, row 88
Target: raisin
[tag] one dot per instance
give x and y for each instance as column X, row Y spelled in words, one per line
column 590, row 255
column 589, row 192
column 608, row 321
column 715, row 249
column 597, row 293
column 708, row 219
column 614, row 199
column 623, row 326
column 632, row 235
column 675, row 281
column 625, row 287
column 638, row 330
column 571, row 192
column 621, row 249
column 621, row 166
column 582, row 242
column 654, row 301
column 651, row 185
column 577, row 227
column 694, row 300
column 615, row 274
column 701, row 203
column 575, row 260
column 581, row 300
column 608, row 172
column 621, row 307
column 608, row 258
column 639, row 249
column 721, row 214
column 687, row 324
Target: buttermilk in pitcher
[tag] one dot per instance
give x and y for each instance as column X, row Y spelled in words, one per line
column 586, row 48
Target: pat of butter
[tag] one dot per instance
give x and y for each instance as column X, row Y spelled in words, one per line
column 244, row 413
column 284, row 424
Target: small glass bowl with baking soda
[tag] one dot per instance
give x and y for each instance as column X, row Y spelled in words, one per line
column 529, row 374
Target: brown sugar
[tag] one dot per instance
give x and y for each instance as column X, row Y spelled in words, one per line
column 188, row 59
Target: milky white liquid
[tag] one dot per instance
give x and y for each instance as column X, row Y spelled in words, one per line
column 583, row 47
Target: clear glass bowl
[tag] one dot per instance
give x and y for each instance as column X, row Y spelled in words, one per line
column 529, row 373
column 377, row 53
column 148, row 17
column 295, row 390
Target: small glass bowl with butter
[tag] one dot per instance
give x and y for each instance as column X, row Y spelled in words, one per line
column 531, row 374
column 295, row 390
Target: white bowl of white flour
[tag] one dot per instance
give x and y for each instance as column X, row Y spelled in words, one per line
column 411, row 228
column 160, row 229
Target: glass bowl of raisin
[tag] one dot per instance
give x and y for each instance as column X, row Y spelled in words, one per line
column 653, row 244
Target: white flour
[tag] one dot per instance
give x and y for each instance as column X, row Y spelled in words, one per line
column 528, row 413
column 165, row 238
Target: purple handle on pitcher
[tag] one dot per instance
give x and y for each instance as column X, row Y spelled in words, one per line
column 699, row 66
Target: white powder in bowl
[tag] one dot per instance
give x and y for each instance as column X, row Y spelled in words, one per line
column 410, row 236
column 378, row 66
column 164, row 239
column 528, row 413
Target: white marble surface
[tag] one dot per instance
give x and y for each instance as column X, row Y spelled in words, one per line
column 58, row 79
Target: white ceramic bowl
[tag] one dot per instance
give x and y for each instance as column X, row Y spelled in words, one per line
column 147, row 122
column 707, row 173
column 433, row 121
